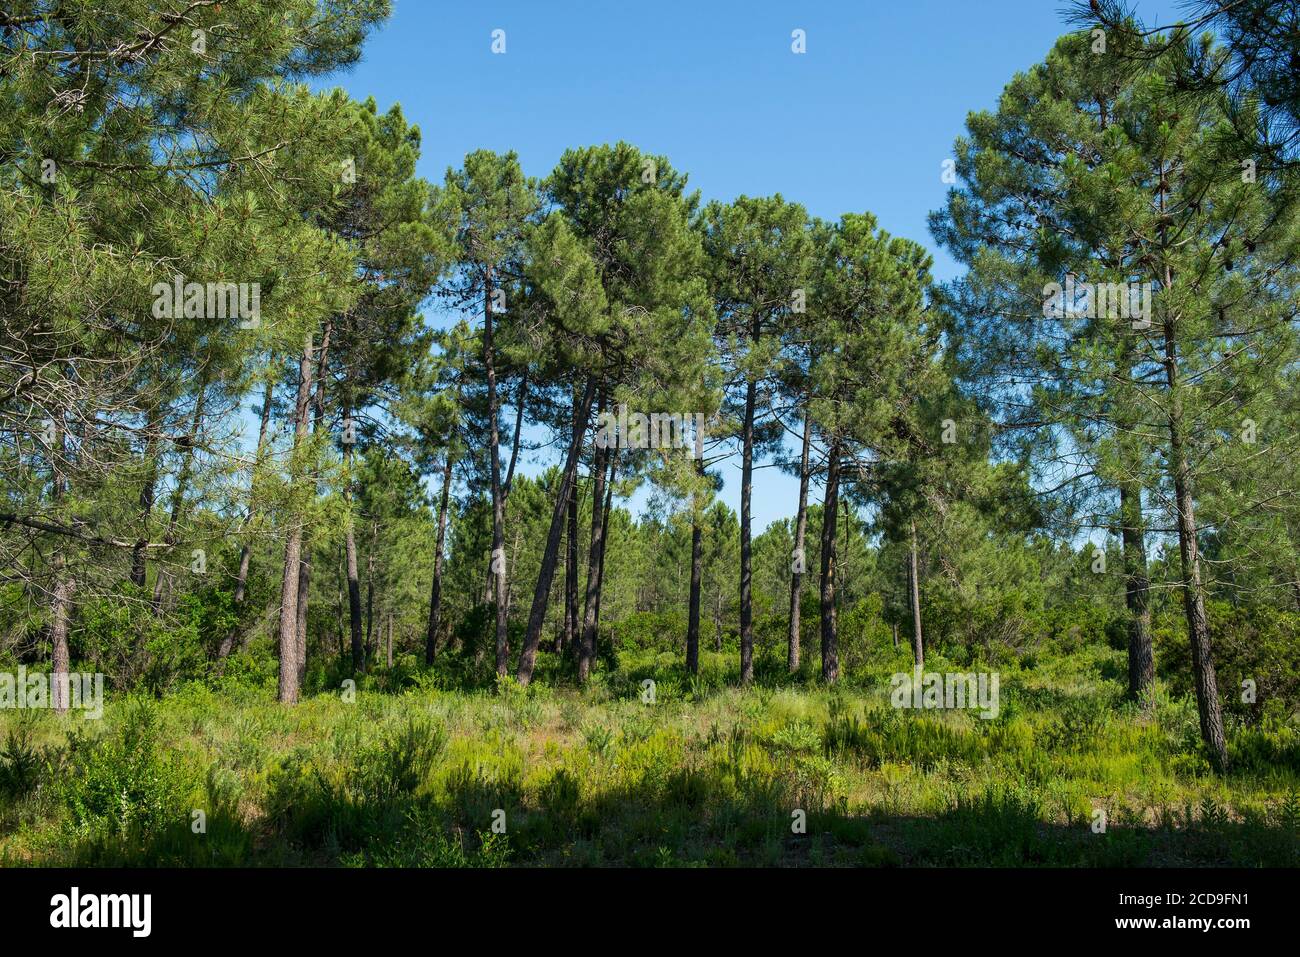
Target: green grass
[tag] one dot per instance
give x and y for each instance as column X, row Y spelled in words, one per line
column 414, row 774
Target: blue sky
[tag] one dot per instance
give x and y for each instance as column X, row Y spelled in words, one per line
column 860, row 122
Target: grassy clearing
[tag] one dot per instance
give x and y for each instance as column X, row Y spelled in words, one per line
column 707, row 775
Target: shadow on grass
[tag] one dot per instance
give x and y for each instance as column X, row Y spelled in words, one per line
column 689, row 818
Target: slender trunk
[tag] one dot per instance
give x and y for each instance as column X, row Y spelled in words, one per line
column 542, row 592
column 139, row 570
column 520, row 398
column 390, row 641
column 1141, row 662
column 604, row 547
column 304, row 577
column 60, row 608
column 350, row 557
column 246, row 549
column 370, row 589
column 163, row 581
column 830, row 514
column 569, row 637
column 587, row 649
column 139, row 566
column 435, row 598
column 61, row 594
column 693, row 616
column 499, row 572
column 338, row 607
column 354, row 596
column 1198, row 628
column 304, row 590
column 1207, row 689
column 288, row 685
column 797, row 569
column 914, row 596
column 746, row 546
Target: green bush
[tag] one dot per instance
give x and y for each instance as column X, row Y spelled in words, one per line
column 119, row 783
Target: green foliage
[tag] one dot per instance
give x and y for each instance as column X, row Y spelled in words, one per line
column 121, row 783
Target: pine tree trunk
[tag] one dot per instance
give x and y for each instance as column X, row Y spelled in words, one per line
column 550, row 554
column 746, row 545
column 520, row 399
column 499, row 571
column 61, row 594
column 370, row 590
column 350, row 558
column 1141, row 662
column 162, row 583
column 288, row 685
column 60, row 608
column 304, row 577
column 587, row 652
column 693, row 615
column 800, row 532
column 354, row 596
column 569, row 636
column 246, row 549
column 304, row 590
column 914, row 594
column 139, row 566
column 604, row 548
column 830, row 514
column 435, row 597
column 1207, row 689
column 338, row 607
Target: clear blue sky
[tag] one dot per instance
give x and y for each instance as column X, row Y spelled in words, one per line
column 860, row 122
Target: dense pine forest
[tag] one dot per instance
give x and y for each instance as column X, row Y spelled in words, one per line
column 353, row 518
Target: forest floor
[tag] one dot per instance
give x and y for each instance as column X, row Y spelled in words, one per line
column 705, row 775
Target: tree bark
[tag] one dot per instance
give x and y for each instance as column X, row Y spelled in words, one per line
column 288, row 685
column 1141, row 661
column 435, row 597
column 246, row 549
column 61, row 595
column 800, row 531
column 520, row 399
column 693, row 615
column 914, row 596
column 569, row 637
column 370, row 589
column 604, row 547
column 542, row 591
column 830, row 514
column 350, row 558
column 139, row 566
column 587, row 649
column 499, row 571
column 746, row 545
column 304, row 577
column 354, row 596
column 162, row 582
column 1208, row 706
